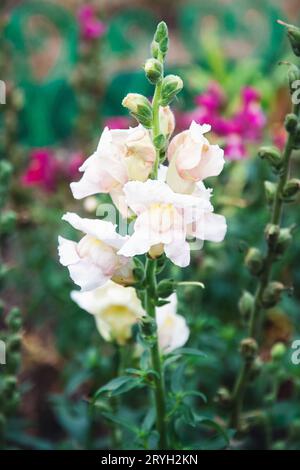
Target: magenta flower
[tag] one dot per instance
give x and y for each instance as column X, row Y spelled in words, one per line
column 243, row 127
column 235, row 148
column 43, row 170
column 90, row 26
column 117, row 122
column 72, row 166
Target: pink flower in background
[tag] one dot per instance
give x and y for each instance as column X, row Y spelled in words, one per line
column 243, row 127
column 72, row 166
column 117, row 122
column 91, row 27
column 235, row 148
column 42, row 171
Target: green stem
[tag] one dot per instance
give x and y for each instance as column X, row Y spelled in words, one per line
column 271, row 255
column 265, row 276
column 159, row 387
column 156, row 126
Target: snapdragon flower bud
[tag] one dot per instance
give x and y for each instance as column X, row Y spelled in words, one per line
column 153, row 70
column 284, row 240
column 139, row 107
column 291, row 190
column 166, row 120
column 165, row 288
column 272, row 155
column 272, row 233
column 294, row 37
column 270, row 190
column 272, row 294
column 171, row 86
column 254, row 261
column 246, row 304
column 290, row 122
column 248, row 348
column 161, row 40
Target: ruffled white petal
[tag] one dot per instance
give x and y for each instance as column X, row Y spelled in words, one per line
column 67, row 251
column 179, row 253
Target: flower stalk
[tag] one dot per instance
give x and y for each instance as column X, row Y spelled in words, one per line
column 152, row 339
column 267, row 292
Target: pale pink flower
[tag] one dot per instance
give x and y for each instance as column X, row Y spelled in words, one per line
column 192, row 158
column 121, row 156
column 94, row 259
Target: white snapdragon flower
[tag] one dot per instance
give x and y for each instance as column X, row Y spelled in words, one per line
column 115, row 308
column 165, row 219
column 121, row 156
column 94, row 259
column 172, row 328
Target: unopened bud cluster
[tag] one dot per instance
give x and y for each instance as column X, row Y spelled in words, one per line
column 169, row 86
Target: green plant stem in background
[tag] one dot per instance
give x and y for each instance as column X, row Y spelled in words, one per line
column 151, row 336
column 264, row 278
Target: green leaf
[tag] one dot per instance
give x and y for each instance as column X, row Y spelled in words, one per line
column 209, row 422
column 122, row 422
column 188, row 352
column 119, row 385
column 195, row 393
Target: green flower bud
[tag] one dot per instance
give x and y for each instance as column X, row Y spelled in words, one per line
column 272, row 155
column 278, row 351
column 7, row 222
column 165, row 288
column 14, row 320
column 272, row 233
column 270, row 191
column 291, row 190
column 245, row 304
column 294, row 37
column 248, row 349
column 161, row 40
column 272, row 294
column 140, row 108
column 284, row 240
column 153, row 70
column 291, row 122
column 223, row 397
column 171, row 86
column 254, row 261
column 155, row 49
column 161, row 32
column 159, row 141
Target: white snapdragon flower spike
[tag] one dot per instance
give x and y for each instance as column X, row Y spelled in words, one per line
column 172, row 328
column 192, row 158
column 165, row 219
column 115, row 308
column 121, row 156
column 94, row 259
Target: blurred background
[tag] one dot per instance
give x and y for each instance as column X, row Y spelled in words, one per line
column 67, row 66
